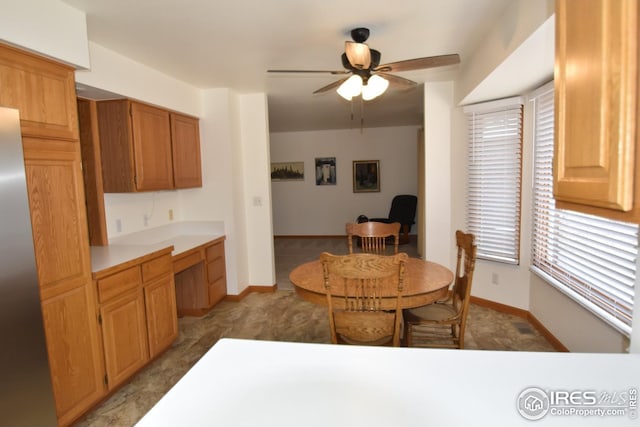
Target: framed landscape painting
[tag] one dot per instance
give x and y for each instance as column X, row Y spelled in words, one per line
column 366, row 176
column 287, row 171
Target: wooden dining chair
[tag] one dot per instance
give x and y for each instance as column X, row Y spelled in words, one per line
column 442, row 324
column 364, row 294
column 373, row 236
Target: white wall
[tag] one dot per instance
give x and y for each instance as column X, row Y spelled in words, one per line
column 304, row 208
column 115, row 73
column 48, row 27
column 575, row 327
column 519, row 20
column 439, row 170
column 254, row 136
column 215, row 200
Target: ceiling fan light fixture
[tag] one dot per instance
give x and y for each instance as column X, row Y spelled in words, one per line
column 375, row 87
column 351, row 87
column 358, row 54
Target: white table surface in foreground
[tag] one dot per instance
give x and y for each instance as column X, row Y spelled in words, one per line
column 264, row 383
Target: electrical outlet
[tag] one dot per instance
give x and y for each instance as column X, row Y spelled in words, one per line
column 170, row 214
column 494, row 278
column 119, row 225
column 145, row 219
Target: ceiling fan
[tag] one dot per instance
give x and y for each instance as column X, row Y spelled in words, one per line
column 367, row 77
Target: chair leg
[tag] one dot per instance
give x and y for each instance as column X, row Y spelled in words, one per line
column 404, row 237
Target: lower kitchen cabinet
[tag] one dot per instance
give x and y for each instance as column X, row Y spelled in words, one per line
column 138, row 317
column 75, row 353
column 124, row 334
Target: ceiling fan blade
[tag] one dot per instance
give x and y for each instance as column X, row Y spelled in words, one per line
column 397, row 80
column 310, row 71
column 330, row 86
column 420, row 63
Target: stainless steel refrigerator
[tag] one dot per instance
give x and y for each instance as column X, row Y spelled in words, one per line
column 26, row 395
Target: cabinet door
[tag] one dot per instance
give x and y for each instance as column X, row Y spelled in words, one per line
column 58, row 217
column 162, row 315
column 152, row 147
column 44, row 92
column 75, row 354
column 117, row 158
column 596, row 89
column 124, row 333
column 185, row 140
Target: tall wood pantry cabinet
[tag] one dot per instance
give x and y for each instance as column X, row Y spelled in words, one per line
column 597, row 157
column 147, row 148
column 44, row 92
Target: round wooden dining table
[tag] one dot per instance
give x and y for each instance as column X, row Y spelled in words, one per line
column 424, row 282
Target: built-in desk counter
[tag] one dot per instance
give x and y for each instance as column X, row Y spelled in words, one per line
column 201, row 280
column 197, row 255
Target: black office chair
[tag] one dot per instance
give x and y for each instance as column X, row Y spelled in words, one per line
column 403, row 210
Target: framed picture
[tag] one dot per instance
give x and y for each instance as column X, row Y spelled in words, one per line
column 366, row 176
column 287, row 171
column 326, row 171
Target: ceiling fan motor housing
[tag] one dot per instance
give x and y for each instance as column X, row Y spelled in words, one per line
column 360, row 35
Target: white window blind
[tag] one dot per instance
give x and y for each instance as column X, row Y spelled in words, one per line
column 590, row 259
column 493, row 178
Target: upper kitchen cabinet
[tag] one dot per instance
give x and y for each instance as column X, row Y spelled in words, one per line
column 596, row 163
column 185, row 139
column 135, row 143
column 145, row 148
column 41, row 92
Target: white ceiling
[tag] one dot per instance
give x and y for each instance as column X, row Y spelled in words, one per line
column 231, row 44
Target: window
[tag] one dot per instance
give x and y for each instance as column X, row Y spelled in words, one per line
column 493, row 180
column 590, row 259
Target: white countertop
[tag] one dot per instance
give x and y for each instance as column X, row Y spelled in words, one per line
column 263, row 383
column 183, row 236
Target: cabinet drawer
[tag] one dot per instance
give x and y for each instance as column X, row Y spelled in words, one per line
column 217, row 291
column 156, row 267
column 215, row 251
column 215, row 270
column 186, row 261
column 118, row 283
